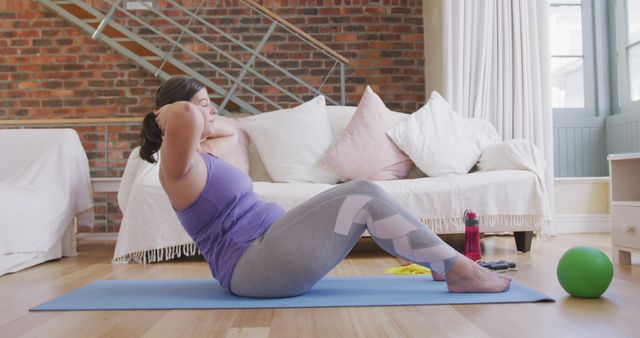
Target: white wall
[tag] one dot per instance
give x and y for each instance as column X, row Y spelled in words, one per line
column 582, row 205
column 433, row 47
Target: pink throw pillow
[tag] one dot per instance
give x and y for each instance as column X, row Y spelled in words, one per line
column 364, row 150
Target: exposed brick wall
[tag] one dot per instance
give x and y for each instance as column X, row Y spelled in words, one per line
column 49, row 68
column 382, row 39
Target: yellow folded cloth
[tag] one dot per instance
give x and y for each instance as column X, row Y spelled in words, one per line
column 411, row 269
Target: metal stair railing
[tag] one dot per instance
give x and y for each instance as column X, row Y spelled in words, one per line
column 255, row 54
column 339, row 59
column 116, row 44
column 107, row 20
column 195, row 55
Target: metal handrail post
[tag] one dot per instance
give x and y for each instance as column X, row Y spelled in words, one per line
column 248, row 65
column 173, row 48
column 343, row 86
column 105, row 20
column 328, row 74
column 106, row 173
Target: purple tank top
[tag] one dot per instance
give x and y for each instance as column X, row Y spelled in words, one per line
column 226, row 217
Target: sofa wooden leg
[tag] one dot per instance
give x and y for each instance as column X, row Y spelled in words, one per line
column 523, row 240
column 456, row 241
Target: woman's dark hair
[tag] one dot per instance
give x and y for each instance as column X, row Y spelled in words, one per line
column 179, row 88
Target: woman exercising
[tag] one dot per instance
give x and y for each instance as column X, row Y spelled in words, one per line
column 254, row 248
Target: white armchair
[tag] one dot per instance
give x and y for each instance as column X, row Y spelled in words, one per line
column 44, row 184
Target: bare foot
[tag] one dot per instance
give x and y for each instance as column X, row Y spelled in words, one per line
column 438, row 277
column 403, row 262
column 468, row 276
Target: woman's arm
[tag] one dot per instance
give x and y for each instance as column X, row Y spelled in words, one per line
column 222, row 129
column 223, row 140
column 182, row 124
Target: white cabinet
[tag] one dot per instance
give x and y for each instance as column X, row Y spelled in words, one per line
column 624, row 170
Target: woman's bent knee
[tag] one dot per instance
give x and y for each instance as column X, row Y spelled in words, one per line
column 363, row 185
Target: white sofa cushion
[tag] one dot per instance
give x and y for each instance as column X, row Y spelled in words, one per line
column 486, row 128
column 438, row 140
column 291, row 141
column 257, row 171
column 339, row 117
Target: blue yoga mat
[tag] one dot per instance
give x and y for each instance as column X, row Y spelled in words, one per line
column 329, row 292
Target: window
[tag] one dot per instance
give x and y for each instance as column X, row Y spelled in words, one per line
column 573, row 71
column 628, row 45
column 567, row 57
column 580, row 85
column 632, row 47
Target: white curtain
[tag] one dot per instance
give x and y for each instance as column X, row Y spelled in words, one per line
column 496, row 67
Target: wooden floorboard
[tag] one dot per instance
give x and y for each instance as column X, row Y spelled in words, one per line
column 613, row 315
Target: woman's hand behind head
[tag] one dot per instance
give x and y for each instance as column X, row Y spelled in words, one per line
column 161, row 118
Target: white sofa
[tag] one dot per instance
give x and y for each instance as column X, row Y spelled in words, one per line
column 506, row 191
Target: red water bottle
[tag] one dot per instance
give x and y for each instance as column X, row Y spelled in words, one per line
column 471, row 236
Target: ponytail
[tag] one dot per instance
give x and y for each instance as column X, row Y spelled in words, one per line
column 150, row 138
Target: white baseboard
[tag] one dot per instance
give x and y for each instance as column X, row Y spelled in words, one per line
column 105, row 184
column 97, row 236
column 589, row 223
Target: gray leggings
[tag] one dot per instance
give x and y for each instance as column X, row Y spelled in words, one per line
column 312, row 238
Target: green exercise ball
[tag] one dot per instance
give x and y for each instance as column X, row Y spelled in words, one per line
column 584, row 271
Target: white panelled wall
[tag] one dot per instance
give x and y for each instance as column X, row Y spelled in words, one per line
column 579, row 152
column 623, row 133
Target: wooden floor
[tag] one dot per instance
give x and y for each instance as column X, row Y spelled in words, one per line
column 613, row 315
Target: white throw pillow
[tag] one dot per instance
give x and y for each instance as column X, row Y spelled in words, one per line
column 438, row 140
column 291, row 141
column 486, row 128
column 339, row 117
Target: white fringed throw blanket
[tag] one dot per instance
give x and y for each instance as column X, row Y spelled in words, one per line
column 507, row 193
